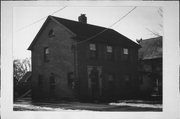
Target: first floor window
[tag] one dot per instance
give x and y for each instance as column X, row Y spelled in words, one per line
column 40, row 81
column 111, row 84
column 70, row 77
column 52, row 85
column 110, row 77
column 126, row 79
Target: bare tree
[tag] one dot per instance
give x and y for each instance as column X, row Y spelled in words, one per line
column 20, row 67
column 153, row 32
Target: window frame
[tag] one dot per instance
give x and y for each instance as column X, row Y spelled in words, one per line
column 126, row 51
column 40, row 81
column 93, row 53
column 51, row 33
column 46, row 54
column 125, row 56
column 109, row 55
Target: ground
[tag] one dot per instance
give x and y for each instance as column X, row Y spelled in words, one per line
column 122, row 105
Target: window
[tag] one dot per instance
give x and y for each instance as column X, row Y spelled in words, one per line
column 70, row 77
column 111, row 84
column 40, row 81
column 52, row 85
column 126, row 79
column 46, row 54
column 125, row 51
column 125, row 54
column 110, row 77
column 92, row 47
column 51, row 33
column 93, row 51
column 109, row 52
column 109, row 49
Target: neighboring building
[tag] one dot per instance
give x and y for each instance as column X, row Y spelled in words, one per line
column 65, row 65
column 150, row 57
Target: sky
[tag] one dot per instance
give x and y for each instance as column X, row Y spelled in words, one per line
column 138, row 24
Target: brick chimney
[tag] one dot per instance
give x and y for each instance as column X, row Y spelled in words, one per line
column 82, row 18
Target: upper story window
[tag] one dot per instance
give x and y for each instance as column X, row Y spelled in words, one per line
column 46, row 54
column 125, row 54
column 109, row 52
column 125, row 51
column 51, row 33
column 92, row 47
column 109, row 49
column 93, row 51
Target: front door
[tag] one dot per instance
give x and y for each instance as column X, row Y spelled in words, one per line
column 94, row 81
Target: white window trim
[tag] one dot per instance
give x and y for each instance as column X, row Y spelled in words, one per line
column 92, row 47
column 125, row 51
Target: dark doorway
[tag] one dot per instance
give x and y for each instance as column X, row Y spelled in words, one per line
column 94, row 81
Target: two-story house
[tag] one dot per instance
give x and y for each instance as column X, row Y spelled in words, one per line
column 150, row 57
column 74, row 59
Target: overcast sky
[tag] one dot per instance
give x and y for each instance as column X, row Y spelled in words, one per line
column 133, row 26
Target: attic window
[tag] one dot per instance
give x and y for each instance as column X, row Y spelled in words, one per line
column 51, row 33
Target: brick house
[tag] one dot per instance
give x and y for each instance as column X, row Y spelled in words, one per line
column 65, row 65
column 150, row 56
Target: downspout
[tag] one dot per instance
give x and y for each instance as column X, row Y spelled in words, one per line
column 76, row 68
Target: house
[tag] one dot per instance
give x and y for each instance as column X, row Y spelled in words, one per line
column 150, row 57
column 77, row 60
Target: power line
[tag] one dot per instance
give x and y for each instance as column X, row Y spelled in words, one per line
column 108, row 27
column 41, row 19
column 156, row 34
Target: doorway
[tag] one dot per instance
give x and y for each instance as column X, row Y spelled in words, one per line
column 94, row 81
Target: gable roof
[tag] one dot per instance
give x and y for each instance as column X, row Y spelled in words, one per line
column 84, row 31
column 151, row 48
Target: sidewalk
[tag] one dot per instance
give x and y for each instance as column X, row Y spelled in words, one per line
column 27, row 105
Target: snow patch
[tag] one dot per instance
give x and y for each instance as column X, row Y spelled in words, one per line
column 137, row 105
